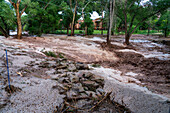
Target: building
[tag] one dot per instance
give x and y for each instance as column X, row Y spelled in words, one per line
column 97, row 24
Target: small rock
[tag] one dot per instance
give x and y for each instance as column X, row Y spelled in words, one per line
column 63, row 75
column 80, row 74
column 2, row 103
column 100, row 90
column 78, row 87
column 72, row 67
column 98, row 79
column 60, row 71
column 89, row 93
column 60, row 87
column 88, row 75
column 91, row 85
column 74, row 79
column 81, row 66
column 55, row 77
column 82, row 103
column 63, row 80
column 71, row 93
column 61, row 67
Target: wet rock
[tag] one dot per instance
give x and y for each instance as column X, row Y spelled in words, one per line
column 3, row 103
column 80, row 74
column 78, row 87
column 63, row 80
column 91, row 93
column 72, row 67
column 63, row 75
column 69, row 86
column 52, row 64
column 74, row 79
column 100, row 90
column 54, row 77
column 60, row 71
column 61, row 67
column 72, row 93
column 91, row 85
column 81, row 66
column 87, row 75
column 98, row 79
column 60, row 87
column 82, row 103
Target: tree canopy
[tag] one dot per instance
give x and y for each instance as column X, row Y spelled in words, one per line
column 47, row 16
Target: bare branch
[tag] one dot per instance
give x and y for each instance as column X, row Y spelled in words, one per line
column 23, row 10
column 12, row 3
column 18, row 1
column 47, row 4
column 145, row 19
column 86, row 5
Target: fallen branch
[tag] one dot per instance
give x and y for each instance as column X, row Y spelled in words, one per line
column 66, row 103
column 77, row 98
column 19, row 73
column 100, row 101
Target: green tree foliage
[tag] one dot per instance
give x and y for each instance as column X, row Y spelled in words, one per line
column 164, row 24
column 89, row 24
column 66, row 16
column 134, row 12
column 7, row 18
column 42, row 17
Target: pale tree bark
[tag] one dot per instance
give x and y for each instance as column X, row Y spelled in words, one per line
column 85, row 29
column 18, row 14
column 102, row 22
column 74, row 15
column 111, row 13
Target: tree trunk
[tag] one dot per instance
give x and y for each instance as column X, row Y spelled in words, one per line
column 112, row 32
column 73, row 21
column 111, row 12
column 67, row 30
column 4, row 32
column 165, row 33
column 85, row 29
column 102, row 23
column 148, row 31
column 19, row 26
column 127, row 37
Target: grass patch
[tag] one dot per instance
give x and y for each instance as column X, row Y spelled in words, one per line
column 95, row 65
column 96, row 32
column 50, row 54
column 61, row 55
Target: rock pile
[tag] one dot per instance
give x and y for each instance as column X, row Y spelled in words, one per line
column 80, row 84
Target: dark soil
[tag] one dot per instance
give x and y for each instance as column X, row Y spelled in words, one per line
column 12, row 89
column 156, row 73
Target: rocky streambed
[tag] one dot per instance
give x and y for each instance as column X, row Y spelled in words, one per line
column 51, row 84
column 44, row 80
